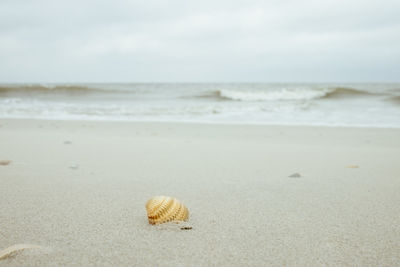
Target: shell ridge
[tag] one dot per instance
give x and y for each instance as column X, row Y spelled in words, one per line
column 158, row 206
column 153, row 204
column 165, row 207
column 176, row 215
column 171, row 213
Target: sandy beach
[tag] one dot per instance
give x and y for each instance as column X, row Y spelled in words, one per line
column 78, row 190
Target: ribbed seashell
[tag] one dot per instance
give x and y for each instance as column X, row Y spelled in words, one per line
column 163, row 209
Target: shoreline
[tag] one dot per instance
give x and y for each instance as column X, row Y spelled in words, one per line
column 211, row 123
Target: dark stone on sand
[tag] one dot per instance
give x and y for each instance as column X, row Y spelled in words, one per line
column 5, row 162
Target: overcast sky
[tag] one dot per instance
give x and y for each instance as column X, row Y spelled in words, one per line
column 200, row 41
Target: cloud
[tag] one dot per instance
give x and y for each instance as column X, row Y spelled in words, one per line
column 67, row 41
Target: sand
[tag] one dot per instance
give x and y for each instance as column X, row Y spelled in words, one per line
column 78, row 189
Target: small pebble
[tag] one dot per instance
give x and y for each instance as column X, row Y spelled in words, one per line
column 5, row 162
column 295, row 175
column 74, row 166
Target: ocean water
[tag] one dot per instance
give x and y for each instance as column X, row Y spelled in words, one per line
column 356, row 105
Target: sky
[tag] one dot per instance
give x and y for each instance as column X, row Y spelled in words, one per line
column 200, row 41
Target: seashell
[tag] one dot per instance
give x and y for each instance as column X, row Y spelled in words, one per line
column 163, row 209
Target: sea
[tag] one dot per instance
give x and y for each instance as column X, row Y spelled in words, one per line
column 348, row 105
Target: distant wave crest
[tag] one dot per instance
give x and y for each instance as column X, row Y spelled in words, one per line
column 42, row 88
column 224, row 94
column 285, row 94
column 347, row 92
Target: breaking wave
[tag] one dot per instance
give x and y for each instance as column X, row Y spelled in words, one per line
column 286, row 94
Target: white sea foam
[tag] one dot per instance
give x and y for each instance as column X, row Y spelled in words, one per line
column 282, row 94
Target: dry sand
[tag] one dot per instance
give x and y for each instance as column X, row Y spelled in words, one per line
column 79, row 189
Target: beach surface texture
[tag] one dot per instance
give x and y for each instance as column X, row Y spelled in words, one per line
column 257, row 195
